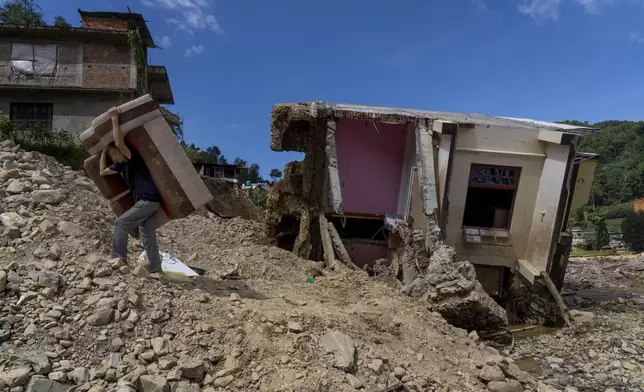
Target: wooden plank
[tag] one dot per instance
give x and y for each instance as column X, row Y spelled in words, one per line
column 557, row 297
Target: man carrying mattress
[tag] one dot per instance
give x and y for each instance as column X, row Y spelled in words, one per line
column 147, row 200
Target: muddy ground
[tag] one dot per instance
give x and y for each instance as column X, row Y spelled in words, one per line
column 604, row 350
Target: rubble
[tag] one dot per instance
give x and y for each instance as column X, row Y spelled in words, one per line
column 71, row 317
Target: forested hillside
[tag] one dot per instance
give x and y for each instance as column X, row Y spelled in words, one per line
column 620, row 174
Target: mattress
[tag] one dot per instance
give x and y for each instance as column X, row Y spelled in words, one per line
column 146, row 130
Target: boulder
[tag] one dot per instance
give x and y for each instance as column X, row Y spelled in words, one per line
column 342, row 347
column 12, row 219
column 102, row 317
column 70, row 229
column 15, row 378
column 191, row 368
column 44, row 385
column 48, row 196
column 49, row 279
column 153, row 384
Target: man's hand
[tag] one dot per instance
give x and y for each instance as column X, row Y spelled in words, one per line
column 114, row 112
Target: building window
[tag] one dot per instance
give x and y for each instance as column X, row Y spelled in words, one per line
column 34, row 60
column 32, row 115
column 489, row 203
column 220, row 172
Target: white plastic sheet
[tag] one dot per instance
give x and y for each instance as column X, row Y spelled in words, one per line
column 29, row 59
column 171, row 264
column 45, row 59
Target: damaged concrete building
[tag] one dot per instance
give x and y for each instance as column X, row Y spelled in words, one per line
column 499, row 188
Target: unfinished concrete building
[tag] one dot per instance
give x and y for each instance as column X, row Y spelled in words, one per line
column 499, row 188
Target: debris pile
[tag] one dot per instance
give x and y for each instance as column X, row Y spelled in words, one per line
column 448, row 284
column 68, row 317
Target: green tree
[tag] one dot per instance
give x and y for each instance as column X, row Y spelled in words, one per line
column 275, row 174
column 601, row 232
column 633, row 231
column 21, row 13
column 240, row 163
column 61, row 22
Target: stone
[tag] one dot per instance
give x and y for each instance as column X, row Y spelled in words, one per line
column 376, row 366
column 30, row 330
column 48, row 196
column 235, row 297
column 353, row 381
column 543, row 387
column 555, row 360
column 147, row 356
column 40, row 253
column 399, row 372
column 223, row 381
column 16, row 377
column 114, row 360
column 191, row 368
column 70, row 229
column 80, row 375
column 153, row 384
column 342, row 347
column 102, row 317
column 40, row 364
column 160, row 346
column 3, row 280
column 46, row 226
column 44, row 385
column 16, row 187
column 174, row 375
column 48, row 292
column 58, row 376
column 505, row 386
column 49, row 279
column 97, row 388
column 55, row 252
column 106, row 303
column 630, row 350
column 12, row 233
column 185, row 386
column 491, row 373
column 7, row 174
column 167, row 363
column 580, row 316
column 12, row 219
column 4, row 335
column 295, row 327
column 134, row 299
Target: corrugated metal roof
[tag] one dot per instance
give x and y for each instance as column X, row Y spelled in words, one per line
column 467, row 118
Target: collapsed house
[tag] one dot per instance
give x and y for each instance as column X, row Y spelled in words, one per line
column 498, row 190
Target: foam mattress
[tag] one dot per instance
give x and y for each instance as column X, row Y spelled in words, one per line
column 146, row 130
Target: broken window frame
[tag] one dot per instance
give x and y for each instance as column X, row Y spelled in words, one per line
column 28, row 115
column 492, row 235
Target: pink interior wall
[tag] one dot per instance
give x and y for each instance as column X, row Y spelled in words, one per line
column 370, row 165
column 365, row 254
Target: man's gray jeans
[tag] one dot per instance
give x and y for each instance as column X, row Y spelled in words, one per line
column 141, row 215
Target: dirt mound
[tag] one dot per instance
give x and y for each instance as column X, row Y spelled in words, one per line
column 254, row 322
column 229, row 200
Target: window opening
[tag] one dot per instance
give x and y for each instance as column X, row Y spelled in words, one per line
column 32, row 115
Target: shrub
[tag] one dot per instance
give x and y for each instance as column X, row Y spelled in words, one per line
column 615, row 211
column 633, row 231
column 58, row 144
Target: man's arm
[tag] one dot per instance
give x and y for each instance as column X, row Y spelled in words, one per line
column 105, row 171
column 119, row 141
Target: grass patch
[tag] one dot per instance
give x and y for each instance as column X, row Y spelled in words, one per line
column 592, row 253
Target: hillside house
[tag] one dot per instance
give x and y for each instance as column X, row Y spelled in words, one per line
column 219, row 171
column 499, row 188
column 62, row 78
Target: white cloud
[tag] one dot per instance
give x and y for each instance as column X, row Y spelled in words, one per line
column 548, row 10
column 164, row 41
column 191, row 15
column 540, row 10
column 195, row 49
column 637, row 39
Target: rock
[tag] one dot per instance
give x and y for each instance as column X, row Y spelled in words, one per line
column 295, row 327
column 57, row 376
column 185, row 386
column 167, row 364
column 376, row 366
column 353, row 381
column 49, row 279
column 231, row 366
column 134, row 299
column 4, row 335
column 12, row 233
column 592, row 354
column 160, row 346
column 40, row 253
column 16, row 187
column 3, row 280
column 223, row 382
column 12, row 219
column 30, row 330
column 191, row 368
column 102, row 317
column 44, row 385
column 48, row 292
column 505, row 386
column 97, row 388
column 543, row 387
column 55, row 252
column 40, row 364
column 342, row 348
column 174, row 375
column 491, row 373
column 70, row 229
column 46, row 226
column 555, row 360
column 153, row 384
column 7, row 174
column 48, row 196
column 579, row 316
column 147, row 356
column 106, row 303
column 235, row 297
column 399, row 372
column 15, row 378
column 80, row 375
column 630, row 350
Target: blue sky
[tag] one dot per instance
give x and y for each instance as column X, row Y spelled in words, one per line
column 230, row 61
